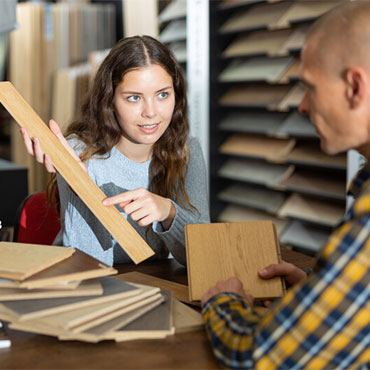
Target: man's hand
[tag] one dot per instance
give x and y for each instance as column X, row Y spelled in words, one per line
column 232, row 285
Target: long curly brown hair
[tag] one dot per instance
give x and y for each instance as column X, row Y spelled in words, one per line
column 98, row 128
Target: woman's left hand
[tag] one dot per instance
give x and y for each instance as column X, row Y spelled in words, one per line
column 144, row 207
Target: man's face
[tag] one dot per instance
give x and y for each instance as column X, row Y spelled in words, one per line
column 327, row 106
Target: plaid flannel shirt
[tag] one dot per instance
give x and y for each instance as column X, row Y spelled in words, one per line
column 323, row 322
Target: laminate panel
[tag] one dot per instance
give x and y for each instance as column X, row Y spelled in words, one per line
column 174, row 31
column 220, row 250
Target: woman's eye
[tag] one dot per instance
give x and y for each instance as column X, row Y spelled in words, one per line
column 163, row 94
column 133, row 98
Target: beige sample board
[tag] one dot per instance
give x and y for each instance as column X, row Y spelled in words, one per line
column 255, row 171
column 259, row 42
column 297, row 125
column 80, row 266
column 137, row 249
column 186, row 318
column 220, row 250
column 259, row 146
column 19, row 260
column 320, row 211
column 253, row 196
column 259, row 95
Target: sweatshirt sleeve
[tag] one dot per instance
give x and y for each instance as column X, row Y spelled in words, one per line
column 196, row 188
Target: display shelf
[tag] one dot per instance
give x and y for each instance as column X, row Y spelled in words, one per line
column 260, row 198
column 174, row 31
column 173, row 11
column 319, row 211
column 297, row 125
column 258, row 146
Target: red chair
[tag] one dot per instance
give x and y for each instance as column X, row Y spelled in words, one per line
column 36, row 221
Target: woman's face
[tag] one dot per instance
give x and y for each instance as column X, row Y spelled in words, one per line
column 144, row 102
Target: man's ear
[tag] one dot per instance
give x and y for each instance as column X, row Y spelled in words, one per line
column 357, row 86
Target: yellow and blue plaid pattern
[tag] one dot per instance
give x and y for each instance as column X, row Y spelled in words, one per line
column 321, row 323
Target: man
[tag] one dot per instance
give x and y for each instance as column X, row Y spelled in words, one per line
column 324, row 320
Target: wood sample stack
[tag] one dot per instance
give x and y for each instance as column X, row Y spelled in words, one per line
column 63, row 292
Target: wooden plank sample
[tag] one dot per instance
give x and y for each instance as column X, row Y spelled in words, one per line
column 20, row 260
column 306, row 236
column 258, row 146
column 7, row 283
column 296, row 39
column 237, row 213
column 86, row 288
column 257, row 16
column 311, row 154
column 251, row 196
column 254, row 122
column 292, row 99
column 80, row 267
column 320, row 211
column 256, row 69
column 255, row 171
column 291, row 73
column 220, row 250
column 297, row 125
column 179, row 291
column 128, row 238
column 180, row 51
column 259, row 42
column 113, row 290
column 314, row 183
column 261, row 95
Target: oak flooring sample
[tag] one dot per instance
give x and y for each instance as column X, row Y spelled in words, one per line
column 237, row 213
column 291, row 73
column 311, row 154
column 175, row 9
column 257, row 16
column 258, row 146
column 306, row 236
column 179, row 49
column 220, row 250
column 255, row 171
column 315, row 183
column 86, row 288
column 320, row 211
column 254, row 122
column 297, row 38
column 7, row 283
column 20, row 260
column 80, row 266
column 259, row 95
column 179, row 291
column 259, row 42
column 252, row 196
column 256, row 69
column 77, row 178
column 113, row 289
column 297, row 125
column 174, row 31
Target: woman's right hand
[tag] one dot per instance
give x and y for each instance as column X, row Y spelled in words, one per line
column 33, row 147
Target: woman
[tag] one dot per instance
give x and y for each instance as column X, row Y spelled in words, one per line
column 132, row 137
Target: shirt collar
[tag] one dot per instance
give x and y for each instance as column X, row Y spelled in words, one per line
column 358, row 181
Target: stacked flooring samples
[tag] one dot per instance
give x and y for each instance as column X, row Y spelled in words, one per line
column 65, row 293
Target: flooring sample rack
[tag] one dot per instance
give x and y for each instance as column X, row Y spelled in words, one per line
column 132, row 243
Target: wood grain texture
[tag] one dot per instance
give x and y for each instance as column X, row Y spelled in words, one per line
column 20, row 260
column 80, row 267
column 128, row 238
column 220, row 250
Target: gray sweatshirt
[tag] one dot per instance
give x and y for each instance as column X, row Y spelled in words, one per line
column 115, row 174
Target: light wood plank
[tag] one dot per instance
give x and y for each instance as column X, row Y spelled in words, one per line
column 220, row 250
column 128, row 238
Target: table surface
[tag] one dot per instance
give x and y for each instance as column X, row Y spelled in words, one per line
column 181, row 351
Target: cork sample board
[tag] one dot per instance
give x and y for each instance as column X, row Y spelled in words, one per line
column 136, row 248
column 219, row 251
column 19, row 261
